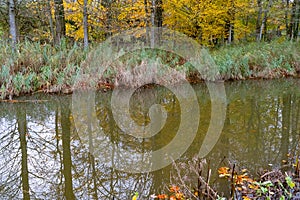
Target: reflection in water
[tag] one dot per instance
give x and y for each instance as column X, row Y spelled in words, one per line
column 22, row 129
column 66, row 149
column 42, row 155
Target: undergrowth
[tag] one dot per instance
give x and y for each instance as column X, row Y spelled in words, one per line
column 33, row 66
column 36, row 67
column 193, row 180
column 258, row 60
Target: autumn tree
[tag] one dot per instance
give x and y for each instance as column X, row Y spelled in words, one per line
column 209, row 22
column 85, row 20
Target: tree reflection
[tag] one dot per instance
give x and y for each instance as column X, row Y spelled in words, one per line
column 42, row 154
column 66, row 140
column 22, row 128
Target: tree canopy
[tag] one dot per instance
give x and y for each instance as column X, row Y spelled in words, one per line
column 210, row 22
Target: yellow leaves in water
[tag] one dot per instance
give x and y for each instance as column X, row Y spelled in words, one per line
column 240, row 182
column 224, row 172
column 172, row 198
column 174, row 188
column 162, row 196
column 240, row 179
column 246, row 198
column 175, row 194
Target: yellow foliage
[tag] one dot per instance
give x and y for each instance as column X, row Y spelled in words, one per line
column 74, row 17
column 208, row 21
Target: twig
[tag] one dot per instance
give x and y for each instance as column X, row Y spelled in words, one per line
column 210, row 192
column 232, row 182
column 181, row 180
column 199, row 175
column 267, row 173
column 208, row 176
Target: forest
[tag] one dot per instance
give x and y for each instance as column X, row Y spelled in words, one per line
column 212, row 23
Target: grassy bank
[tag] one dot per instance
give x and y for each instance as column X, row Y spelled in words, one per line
column 259, row 60
column 36, row 67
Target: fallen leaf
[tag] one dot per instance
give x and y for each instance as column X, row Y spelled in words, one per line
column 162, row 196
column 174, row 188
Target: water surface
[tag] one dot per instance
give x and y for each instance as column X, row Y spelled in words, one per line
column 43, row 156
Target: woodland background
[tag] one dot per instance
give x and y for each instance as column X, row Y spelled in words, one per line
column 211, row 22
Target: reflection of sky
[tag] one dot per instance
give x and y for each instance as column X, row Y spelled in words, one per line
column 9, row 148
column 252, row 137
column 40, row 148
column 41, row 160
column 44, row 164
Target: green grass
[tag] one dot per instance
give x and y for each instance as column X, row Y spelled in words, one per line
column 41, row 67
column 34, row 66
column 258, row 60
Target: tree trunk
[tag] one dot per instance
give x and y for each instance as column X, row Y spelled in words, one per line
column 158, row 13
column 297, row 18
column 147, row 13
column 147, row 21
column 263, row 28
column 60, row 23
column 231, row 30
column 85, row 25
column 109, row 17
column 152, row 34
column 50, row 19
column 153, row 5
column 229, row 27
column 258, row 20
column 293, row 20
column 286, row 18
column 12, row 22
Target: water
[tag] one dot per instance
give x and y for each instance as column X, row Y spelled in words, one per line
column 43, row 155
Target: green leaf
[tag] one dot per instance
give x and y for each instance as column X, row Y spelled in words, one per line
column 290, row 182
column 264, row 190
column 282, row 198
column 267, row 183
